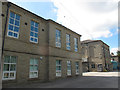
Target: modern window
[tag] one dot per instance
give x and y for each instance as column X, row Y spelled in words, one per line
column 58, row 38
column 92, row 65
column 33, row 68
column 9, row 68
column 58, row 68
column 77, row 67
column 68, row 67
column 13, row 25
column 76, row 44
column 67, row 41
column 34, row 32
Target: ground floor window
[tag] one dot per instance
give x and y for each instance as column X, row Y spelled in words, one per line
column 9, row 67
column 92, row 65
column 33, row 68
column 77, row 67
column 68, row 67
column 58, row 68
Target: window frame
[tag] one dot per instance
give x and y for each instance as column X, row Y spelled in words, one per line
column 68, row 44
column 33, row 71
column 58, row 38
column 58, row 72
column 76, row 44
column 77, row 66
column 34, row 31
column 14, row 72
column 69, row 72
column 92, row 65
column 13, row 25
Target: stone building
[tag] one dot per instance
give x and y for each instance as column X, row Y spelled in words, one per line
column 95, row 55
column 36, row 49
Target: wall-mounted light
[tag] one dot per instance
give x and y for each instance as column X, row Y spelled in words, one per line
column 41, row 58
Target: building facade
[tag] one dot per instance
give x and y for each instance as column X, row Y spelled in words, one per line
column 115, row 62
column 36, row 49
column 95, row 55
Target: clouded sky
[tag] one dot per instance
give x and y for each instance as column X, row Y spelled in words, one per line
column 93, row 19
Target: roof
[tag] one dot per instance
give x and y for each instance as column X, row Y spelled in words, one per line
column 91, row 41
column 43, row 18
column 63, row 26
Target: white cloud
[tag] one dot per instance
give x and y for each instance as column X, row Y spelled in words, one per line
column 114, row 50
column 90, row 18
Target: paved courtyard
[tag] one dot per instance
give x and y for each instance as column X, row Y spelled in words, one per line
column 88, row 80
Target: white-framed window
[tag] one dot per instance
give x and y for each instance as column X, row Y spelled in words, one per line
column 9, row 68
column 58, row 68
column 33, row 68
column 68, row 67
column 76, row 44
column 13, row 25
column 67, row 41
column 34, row 32
column 77, row 67
column 58, row 38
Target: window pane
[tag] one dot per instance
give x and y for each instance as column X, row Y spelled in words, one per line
column 6, row 75
column 16, row 23
column 31, row 68
column 15, row 35
column 57, row 62
column 32, row 28
column 32, row 23
column 35, row 68
column 36, row 35
column 11, row 75
column 17, row 17
column 32, row 39
column 7, row 59
column 31, row 34
column 12, row 15
column 57, row 68
column 10, row 33
column 10, row 27
column 36, row 29
column 36, row 24
column 31, row 74
column 36, row 62
column 12, row 67
column 35, row 74
column 32, row 61
column 16, row 29
column 36, row 40
column 6, row 67
column 11, row 21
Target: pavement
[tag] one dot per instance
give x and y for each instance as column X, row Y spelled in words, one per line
column 88, row 80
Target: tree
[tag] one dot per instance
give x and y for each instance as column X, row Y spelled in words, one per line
column 118, row 54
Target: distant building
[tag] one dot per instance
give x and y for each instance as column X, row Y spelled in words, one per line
column 36, row 49
column 95, row 55
column 115, row 62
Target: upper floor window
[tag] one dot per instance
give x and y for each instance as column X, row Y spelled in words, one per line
column 67, row 41
column 13, row 26
column 76, row 44
column 34, row 32
column 58, row 38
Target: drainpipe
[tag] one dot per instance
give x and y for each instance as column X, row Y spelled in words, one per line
column 3, row 41
column 5, row 27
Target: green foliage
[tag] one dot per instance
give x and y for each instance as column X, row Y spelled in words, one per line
column 118, row 54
